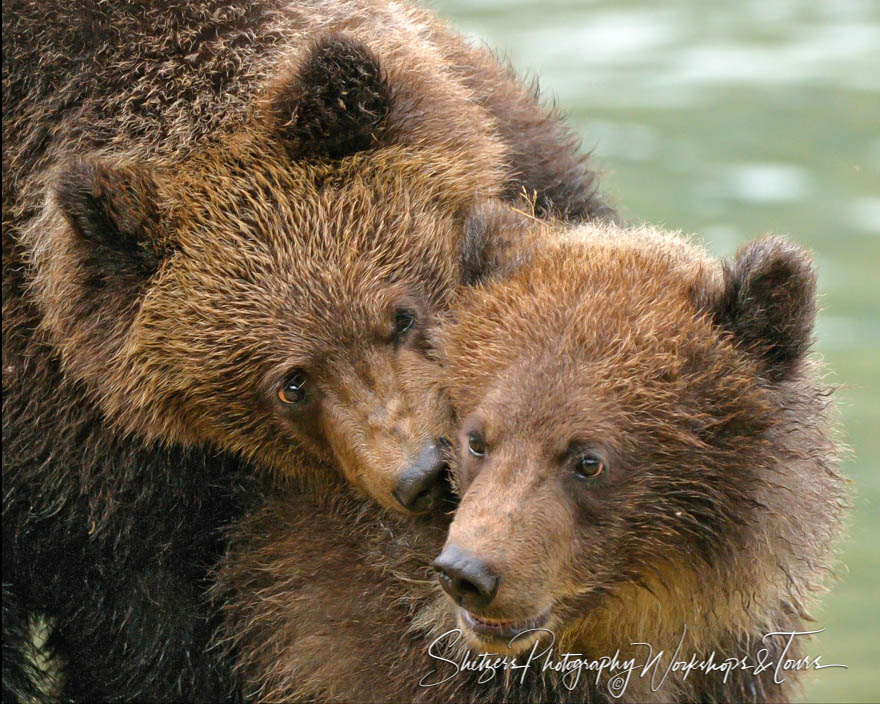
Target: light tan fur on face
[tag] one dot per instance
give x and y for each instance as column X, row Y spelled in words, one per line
column 381, row 414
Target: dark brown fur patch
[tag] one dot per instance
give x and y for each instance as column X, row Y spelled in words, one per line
column 335, row 102
column 113, row 211
column 768, row 302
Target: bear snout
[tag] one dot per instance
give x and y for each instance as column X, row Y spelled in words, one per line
column 424, row 484
column 466, row 577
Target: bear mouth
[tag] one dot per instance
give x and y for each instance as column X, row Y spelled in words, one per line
column 502, row 632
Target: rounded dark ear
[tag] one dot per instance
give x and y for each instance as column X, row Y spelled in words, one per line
column 334, row 102
column 113, row 213
column 496, row 242
column 768, row 302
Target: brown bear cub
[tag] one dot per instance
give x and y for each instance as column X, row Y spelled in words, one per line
column 227, row 229
column 645, row 455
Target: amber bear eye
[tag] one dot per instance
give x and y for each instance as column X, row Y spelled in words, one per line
column 293, row 390
column 404, row 319
column 589, row 466
column 476, row 445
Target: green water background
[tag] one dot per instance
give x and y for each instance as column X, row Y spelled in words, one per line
column 730, row 119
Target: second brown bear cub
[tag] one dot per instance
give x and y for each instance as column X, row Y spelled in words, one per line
column 644, row 456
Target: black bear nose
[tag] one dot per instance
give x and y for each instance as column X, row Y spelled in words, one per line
column 466, row 578
column 421, row 484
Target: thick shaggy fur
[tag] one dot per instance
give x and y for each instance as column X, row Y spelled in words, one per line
column 199, row 198
column 716, row 512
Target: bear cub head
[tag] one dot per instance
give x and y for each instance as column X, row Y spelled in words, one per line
column 271, row 294
column 643, row 441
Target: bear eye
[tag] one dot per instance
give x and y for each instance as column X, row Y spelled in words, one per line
column 293, row 389
column 588, row 466
column 404, row 319
column 476, row 444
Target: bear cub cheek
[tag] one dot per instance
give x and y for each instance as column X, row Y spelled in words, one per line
column 384, row 423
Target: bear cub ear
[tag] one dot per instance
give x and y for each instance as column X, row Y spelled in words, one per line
column 113, row 213
column 768, row 302
column 495, row 244
column 336, row 101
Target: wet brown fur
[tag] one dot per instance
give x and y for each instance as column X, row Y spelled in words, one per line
column 718, row 511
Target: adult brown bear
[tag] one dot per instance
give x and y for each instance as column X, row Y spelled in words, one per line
column 645, row 455
column 226, row 231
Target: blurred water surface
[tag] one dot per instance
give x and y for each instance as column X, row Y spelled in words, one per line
column 729, row 119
